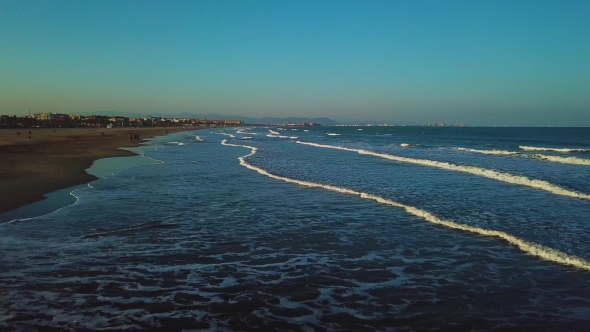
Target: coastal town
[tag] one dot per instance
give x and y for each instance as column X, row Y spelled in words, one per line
column 59, row 120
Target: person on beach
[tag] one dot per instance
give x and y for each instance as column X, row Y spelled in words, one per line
column 130, row 138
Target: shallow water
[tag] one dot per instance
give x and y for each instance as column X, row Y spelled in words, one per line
column 197, row 240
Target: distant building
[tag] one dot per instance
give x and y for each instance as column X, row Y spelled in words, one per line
column 233, row 122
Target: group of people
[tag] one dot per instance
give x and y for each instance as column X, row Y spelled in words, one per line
column 134, row 137
column 18, row 133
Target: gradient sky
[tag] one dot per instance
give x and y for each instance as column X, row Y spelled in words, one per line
column 476, row 62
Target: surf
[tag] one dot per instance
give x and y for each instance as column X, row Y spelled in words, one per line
column 483, row 172
column 557, row 159
column 564, row 150
column 500, row 152
column 530, row 248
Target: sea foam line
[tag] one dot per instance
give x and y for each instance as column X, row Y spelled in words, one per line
column 563, row 160
column 530, row 248
column 483, row 172
column 565, row 150
column 557, row 159
column 489, row 151
column 50, row 213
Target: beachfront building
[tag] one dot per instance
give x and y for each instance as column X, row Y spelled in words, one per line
column 233, row 122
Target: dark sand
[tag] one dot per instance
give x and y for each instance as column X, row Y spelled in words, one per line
column 49, row 161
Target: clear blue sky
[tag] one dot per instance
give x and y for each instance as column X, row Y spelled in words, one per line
column 477, row 62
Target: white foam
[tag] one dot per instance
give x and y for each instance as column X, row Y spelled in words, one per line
column 230, row 135
column 247, row 137
column 284, row 136
column 305, row 130
column 404, row 145
column 489, row 151
column 563, row 160
column 359, row 129
column 294, row 137
column 483, row 172
column 272, row 135
column 274, row 132
column 557, row 159
column 531, row 248
column 565, row 150
column 199, row 138
column 332, row 134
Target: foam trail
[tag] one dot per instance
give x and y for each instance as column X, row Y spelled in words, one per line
column 199, row 138
column 483, row 172
column 274, row 132
column 332, row 134
column 557, row 159
column 489, row 151
column 565, row 150
column 563, row 160
column 530, row 248
column 230, row 135
column 404, row 145
column 50, row 213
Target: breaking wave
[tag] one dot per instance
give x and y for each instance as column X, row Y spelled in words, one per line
column 199, row 138
column 489, row 151
column 531, row 248
column 274, row 132
column 483, row 172
column 332, row 134
column 405, row 145
column 557, row 159
column 565, row 150
column 563, row 160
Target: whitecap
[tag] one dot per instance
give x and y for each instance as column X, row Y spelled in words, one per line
column 483, row 172
column 531, row 248
column 489, row 151
column 332, row 134
column 564, row 150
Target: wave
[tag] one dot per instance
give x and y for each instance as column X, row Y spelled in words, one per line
column 130, row 230
column 557, row 159
column 230, row 135
column 565, row 150
column 332, row 134
column 305, row 130
column 246, row 137
column 274, row 132
column 483, row 172
column 293, row 137
column 199, row 138
column 50, row 213
column 530, row 248
column 272, row 135
column 489, row 151
column 404, row 145
column 563, row 160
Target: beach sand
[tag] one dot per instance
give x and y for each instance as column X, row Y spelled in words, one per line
column 54, row 159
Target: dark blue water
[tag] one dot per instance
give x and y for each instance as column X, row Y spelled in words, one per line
column 198, row 241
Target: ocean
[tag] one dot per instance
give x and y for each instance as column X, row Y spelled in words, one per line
column 315, row 229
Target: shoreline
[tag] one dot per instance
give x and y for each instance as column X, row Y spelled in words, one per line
column 53, row 160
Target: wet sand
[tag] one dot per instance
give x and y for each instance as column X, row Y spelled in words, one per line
column 56, row 159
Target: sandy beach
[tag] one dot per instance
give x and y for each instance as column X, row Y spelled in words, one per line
column 54, row 159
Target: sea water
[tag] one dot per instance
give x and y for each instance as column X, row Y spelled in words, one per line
column 333, row 229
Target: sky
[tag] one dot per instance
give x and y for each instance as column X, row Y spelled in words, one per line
column 485, row 62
